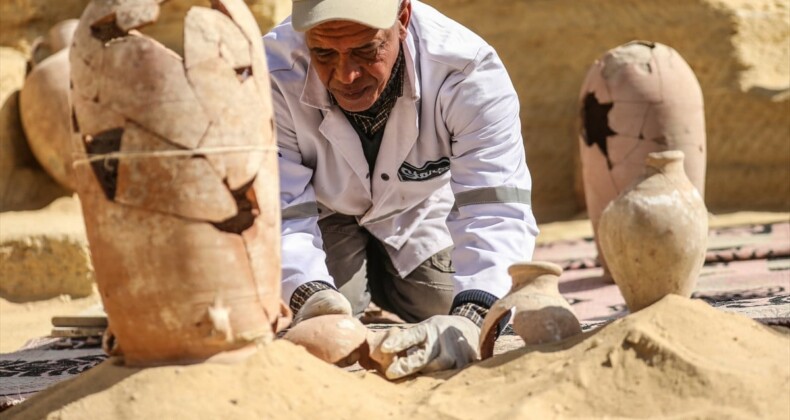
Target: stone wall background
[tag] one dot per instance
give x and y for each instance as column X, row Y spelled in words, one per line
column 739, row 50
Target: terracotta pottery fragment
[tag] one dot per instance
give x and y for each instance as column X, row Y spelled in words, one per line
column 187, row 257
column 181, row 186
column 210, row 34
column 235, row 122
column 94, row 117
column 542, row 315
column 132, row 14
column 331, row 338
column 654, row 235
column 160, row 98
column 246, row 21
column 638, row 98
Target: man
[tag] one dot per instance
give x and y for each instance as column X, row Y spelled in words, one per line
column 402, row 172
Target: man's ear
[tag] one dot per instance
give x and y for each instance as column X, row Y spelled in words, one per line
column 404, row 16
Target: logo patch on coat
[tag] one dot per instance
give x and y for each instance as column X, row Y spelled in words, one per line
column 431, row 169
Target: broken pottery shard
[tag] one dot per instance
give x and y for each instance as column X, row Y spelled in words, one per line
column 542, row 315
column 186, row 256
column 145, row 82
column 85, row 56
column 45, row 114
column 93, row 117
column 238, row 12
column 629, row 62
column 237, row 119
column 132, row 14
column 220, row 69
column 184, row 186
column 638, row 98
column 236, row 9
column 654, row 235
column 209, row 34
column 331, row 338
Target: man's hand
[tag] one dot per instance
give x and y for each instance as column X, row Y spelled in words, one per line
column 438, row 343
column 323, row 302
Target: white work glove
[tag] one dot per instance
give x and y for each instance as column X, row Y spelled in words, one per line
column 323, row 302
column 438, row 343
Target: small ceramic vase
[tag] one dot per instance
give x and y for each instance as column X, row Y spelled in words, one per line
column 638, row 98
column 654, row 235
column 542, row 314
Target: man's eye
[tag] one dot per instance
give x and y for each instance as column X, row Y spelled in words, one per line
column 323, row 54
column 368, row 52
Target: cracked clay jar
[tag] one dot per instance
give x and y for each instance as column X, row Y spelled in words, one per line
column 176, row 171
column 638, row 98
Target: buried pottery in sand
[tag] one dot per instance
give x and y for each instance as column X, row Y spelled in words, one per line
column 638, row 98
column 654, row 234
column 342, row 340
column 335, row 339
column 542, row 315
column 178, row 180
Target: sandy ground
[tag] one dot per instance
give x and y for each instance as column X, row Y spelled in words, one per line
column 665, row 361
column 678, row 358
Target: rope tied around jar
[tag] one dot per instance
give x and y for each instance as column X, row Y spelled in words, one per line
column 170, row 153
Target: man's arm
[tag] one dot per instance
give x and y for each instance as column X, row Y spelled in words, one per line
column 307, row 286
column 492, row 225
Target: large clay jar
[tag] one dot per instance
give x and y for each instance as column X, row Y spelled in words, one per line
column 654, row 235
column 61, row 34
column 178, row 180
column 542, row 315
column 638, row 98
column 45, row 113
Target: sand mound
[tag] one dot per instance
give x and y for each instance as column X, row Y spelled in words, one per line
column 282, row 381
column 675, row 358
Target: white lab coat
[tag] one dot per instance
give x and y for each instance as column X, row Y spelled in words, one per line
column 458, row 105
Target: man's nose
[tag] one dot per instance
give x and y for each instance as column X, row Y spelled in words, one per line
column 347, row 69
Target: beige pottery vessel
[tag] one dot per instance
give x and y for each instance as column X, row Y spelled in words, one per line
column 542, row 315
column 654, row 235
column 638, row 98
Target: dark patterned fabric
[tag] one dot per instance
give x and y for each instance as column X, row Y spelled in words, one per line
column 372, row 120
column 303, row 292
column 474, row 312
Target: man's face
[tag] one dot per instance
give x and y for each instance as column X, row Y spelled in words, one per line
column 354, row 61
